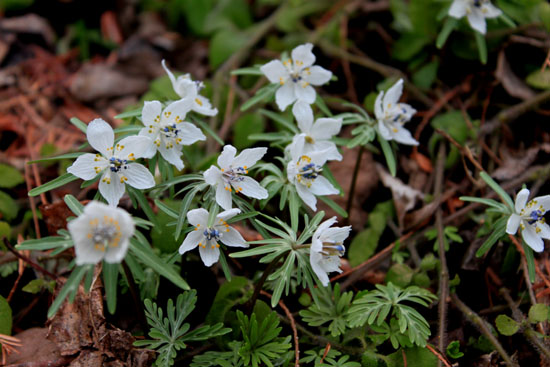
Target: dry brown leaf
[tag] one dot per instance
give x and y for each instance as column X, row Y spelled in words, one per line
column 510, row 81
column 512, row 165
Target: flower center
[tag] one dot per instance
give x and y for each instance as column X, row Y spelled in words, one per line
column 307, row 171
column 535, row 216
column 310, row 140
column 104, row 233
column 116, row 164
column 332, row 248
column 232, row 176
column 170, row 131
column 210, row 235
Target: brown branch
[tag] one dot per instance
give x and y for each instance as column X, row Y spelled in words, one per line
column 27, row 260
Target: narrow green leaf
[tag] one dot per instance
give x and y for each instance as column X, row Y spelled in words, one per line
column 481, row 47
column 69, row 289
column 448, row 27
column 530, row 259
column 58, row 157
column 165, row 208
column 149, row 258
column 53, row 184
column 79, row 124
column 489, row 202
column 143, row 203
column 388, row 154
column 332, row 204
column 499, row 231
column 110, row 278
column 319, row 102
column 73, row 204
column 132, row 113
column 496, row 187
column 261, row 95
column 280, row 119
column 253, row 70
column 46, row 243
column 210, row 132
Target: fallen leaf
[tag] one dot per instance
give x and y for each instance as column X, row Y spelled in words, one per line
column 514, row 165
column 510, row 81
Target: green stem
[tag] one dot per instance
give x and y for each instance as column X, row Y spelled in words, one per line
column 252, row 301
column 351, row 193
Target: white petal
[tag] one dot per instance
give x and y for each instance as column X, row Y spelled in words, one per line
column 477, row 21
column 249, row 157
column 405, row 110
column 331, row 152
column 304, row 116
column 189, row 133
column 384, row 131
column 319, row 158
column 228, row 214
column 321, row 229
column 209, row 255
column 285, row 96
column 337, row 234
column 232, row 237
column 203, row 106
column 513, row 224
column 378, row 109
column 227, row 156
column 186, row 88
column 315, row 259
column 302, row 55
column 213, row 176
column 316, row 75
column 490, row 11
column 138, row 176
column 304, row 92
column 326, row 128
column 151, row 133
column 84, row 248
column 532, row 239
column 176, row 111
column 403, row 136
column 307, row 197
column 112, row 191
column 392, row 95
column 322, row 186
column 198, row 216
column 543, row 201
column 172, row 155
column 115, row 255
column 544, row 230
column 191, row 241
column 296, row 148
column 251, row 188
column 151, row 111
column 136, row 145
column 521, row 200
column 101, row 136
column 223, row 196
column 84, row 165
column 170, row 75
column 458, row 9
column 274, row 71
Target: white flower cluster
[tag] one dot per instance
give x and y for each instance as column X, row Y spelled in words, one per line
column 475, row 11
column 529, row 216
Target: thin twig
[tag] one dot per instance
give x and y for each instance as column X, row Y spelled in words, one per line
column 444, row 272
column 351, row 192
column 439, row 356
column 292, row 326
column 481, row 325
column 258, row 288
column 27, row 260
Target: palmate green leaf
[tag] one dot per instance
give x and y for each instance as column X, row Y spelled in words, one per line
column 169, row 333
column 375, row 306
column 329, row 307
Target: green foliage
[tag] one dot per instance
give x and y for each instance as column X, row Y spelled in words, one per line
column 365, row 242
column 415, row 357
column 375, row 306
column 452, row 123
column 8, row 206
column 400, row 274
column 453, row 350
column 539, row 79
column 506, row 325
column 329, row 307
column 37, row 285
column 11, row 177
column 538, row 313
column 5, row 317
column 246, row 125
column 333, row 358
column 450, row 234
column 262, row 343
column 169, row 333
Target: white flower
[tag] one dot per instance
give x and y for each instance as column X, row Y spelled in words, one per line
column 529, row 216
column 101, row 232
column 115, row 162
column 327, row 248
column 208, row 238
column 231, row 175
column 314, row 136
column 305, row 173
column 392, row 115
column 296, row 76
column 167, row 130
column 476, row 11
column 188, row 89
